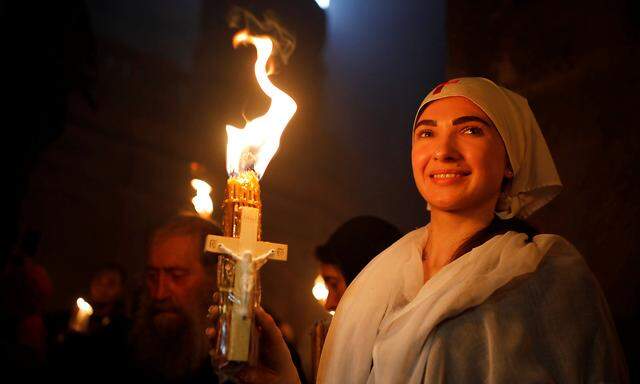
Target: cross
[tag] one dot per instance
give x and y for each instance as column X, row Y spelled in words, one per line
column 249, row 255
column 438, row 89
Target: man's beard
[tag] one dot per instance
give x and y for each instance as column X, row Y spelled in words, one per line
column 168, row 341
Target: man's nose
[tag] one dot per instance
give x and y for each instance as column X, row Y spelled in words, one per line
column 161, row 290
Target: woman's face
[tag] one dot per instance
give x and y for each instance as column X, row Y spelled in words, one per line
column 459, row 160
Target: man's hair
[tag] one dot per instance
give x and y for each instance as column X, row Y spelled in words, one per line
column 355, row 243
column 188, row 225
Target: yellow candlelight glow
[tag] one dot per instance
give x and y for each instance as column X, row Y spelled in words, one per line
column 84, row 307
column 202, row 200
column 80, row 321
column 253, row 147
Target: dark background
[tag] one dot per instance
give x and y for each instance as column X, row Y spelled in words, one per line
column 108, row 102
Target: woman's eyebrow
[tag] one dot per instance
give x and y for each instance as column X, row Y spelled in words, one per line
column 467, row 119
column 431, row 123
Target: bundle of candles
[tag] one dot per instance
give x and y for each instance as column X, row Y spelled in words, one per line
column 241, row 253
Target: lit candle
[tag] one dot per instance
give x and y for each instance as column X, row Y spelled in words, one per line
column 202, row 200
column 80, row 321
column 319, row 290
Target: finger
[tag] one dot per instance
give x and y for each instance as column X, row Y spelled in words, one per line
column 210, row 332
column 216, row 297
column 268, row 325
column 214, row 310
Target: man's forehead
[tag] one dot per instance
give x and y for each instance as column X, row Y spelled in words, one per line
column 174, row 251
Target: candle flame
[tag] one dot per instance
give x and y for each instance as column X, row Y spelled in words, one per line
column 83, row 306
column 320, row 291
column 253, row 147
column 202, row 201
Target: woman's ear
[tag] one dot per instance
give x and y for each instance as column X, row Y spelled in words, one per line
column 508, row 177
column 508, row 169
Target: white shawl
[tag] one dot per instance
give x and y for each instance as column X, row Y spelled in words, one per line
column 387, row 313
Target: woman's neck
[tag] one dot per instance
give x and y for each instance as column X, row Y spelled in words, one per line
column 447, row 231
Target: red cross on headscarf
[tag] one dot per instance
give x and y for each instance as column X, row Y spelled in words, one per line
column 438, row 89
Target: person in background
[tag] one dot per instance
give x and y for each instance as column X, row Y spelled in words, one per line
column 168, row 340
column 25, row 289
column 101, row 345
column 349, row 249
column 107, row 293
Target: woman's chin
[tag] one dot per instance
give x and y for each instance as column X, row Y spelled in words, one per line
column 448, row 204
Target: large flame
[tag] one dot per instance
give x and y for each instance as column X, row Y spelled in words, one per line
column 202, row 200
column 253, row 147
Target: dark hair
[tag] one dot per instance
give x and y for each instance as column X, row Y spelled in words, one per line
column 355, row 243
column 496, row 227
column 112, row 266
column 189, row 225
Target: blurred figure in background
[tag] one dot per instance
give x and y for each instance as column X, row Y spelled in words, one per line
column 168, row 339
column 349, row 249
column 25, row 288
column 100, row 344
column 107, row 294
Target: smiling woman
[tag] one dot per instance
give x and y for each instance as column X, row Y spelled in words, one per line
column 475, row 295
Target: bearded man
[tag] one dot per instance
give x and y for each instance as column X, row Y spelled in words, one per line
column 168, row 339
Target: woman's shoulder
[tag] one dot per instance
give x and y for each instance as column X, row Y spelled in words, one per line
column 562, row 258
column 537, row 321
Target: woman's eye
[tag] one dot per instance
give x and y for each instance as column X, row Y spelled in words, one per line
column 474, row 131
column 424, row 133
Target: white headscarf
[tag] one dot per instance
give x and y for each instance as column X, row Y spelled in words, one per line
column 535, row 181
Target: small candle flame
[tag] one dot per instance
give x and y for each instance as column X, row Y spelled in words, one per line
column 253, row 147
column 320, row 291
column 202, row 200
column 84, row 307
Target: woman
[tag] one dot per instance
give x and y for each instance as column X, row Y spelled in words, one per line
column 476, row 295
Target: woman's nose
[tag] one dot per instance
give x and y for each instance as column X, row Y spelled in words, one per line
column 446, row 150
